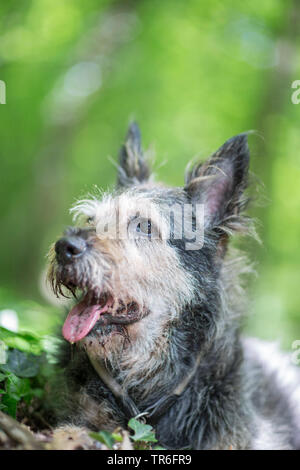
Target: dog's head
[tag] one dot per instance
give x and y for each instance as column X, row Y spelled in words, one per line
column 140, row 256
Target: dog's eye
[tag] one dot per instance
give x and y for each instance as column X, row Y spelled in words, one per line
column 144, row 227
column 90, row 220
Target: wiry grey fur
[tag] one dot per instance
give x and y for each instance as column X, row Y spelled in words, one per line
column 245, row 394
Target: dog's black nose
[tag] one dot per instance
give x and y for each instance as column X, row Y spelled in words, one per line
column 69, row 248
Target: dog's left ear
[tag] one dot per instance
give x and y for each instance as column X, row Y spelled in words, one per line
column 219, row 183
column 133, row 167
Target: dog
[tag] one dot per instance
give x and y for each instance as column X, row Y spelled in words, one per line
column 157, row 329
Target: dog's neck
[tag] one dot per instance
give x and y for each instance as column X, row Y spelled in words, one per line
column 155, row 410
column 164, row 367
column 190, row 367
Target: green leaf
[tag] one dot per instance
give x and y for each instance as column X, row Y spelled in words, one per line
column 2, row 377
column 24, row 341
column 105, row 437
column 10, row 404
column 117, row 436
column 142, row 432
column 22, row 364
column 17, row 388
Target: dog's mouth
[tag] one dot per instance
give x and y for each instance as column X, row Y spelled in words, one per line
column 95, row 312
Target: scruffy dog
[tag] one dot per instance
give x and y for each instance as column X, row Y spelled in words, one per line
column 157, row 328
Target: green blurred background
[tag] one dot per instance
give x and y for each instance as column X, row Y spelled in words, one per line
column 193, row 74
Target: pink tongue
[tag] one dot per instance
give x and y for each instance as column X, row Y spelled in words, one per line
column 81, row 320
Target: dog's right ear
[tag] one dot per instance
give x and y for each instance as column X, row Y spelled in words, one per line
column 219, row 183
column 133, row 168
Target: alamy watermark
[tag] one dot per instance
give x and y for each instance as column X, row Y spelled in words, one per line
column 175, row 221
column 2, row 92
column 295, row 356
column 295, row 98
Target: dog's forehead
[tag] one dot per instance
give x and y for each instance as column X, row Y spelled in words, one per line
column 130, row 202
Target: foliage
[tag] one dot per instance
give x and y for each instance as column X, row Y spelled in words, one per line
column 26, row 364
column 143, row 437
column 26, row 341
column 107, row 438
column 25, row 367
column 142, row 432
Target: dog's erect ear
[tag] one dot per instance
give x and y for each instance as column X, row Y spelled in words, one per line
column 219, row 183
column 133, row 167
